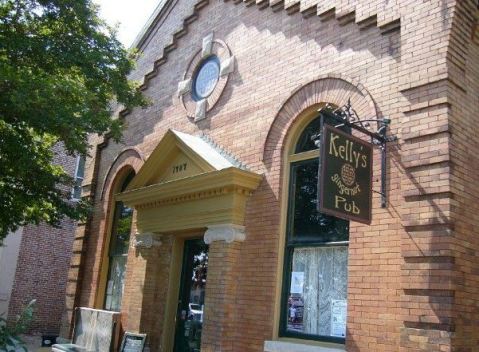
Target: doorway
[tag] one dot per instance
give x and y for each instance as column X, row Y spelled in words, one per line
column 191, row 300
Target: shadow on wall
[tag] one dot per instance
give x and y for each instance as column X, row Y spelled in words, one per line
column 329, row 38
column 314, row 36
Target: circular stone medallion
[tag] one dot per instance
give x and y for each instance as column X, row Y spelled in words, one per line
column 206, row 78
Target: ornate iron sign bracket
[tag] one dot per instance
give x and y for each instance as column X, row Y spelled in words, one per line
column 346, row 117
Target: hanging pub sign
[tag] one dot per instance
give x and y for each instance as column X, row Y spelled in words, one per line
column 345, row 186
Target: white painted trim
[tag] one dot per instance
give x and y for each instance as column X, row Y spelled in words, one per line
column 227, row 66
column 224, row 232
column 200, row 112
column 184, row 87
column 147, row 240
column 207, row 45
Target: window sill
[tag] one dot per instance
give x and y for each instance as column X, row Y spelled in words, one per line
column 287, row 346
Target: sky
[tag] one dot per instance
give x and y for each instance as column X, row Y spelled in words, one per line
column 131, row 15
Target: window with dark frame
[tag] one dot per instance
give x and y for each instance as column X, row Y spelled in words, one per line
column 79, row 175
column 314, row 298
column 118, row 251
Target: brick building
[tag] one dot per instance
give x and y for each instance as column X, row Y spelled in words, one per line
column 34, row 264
column 205, row 231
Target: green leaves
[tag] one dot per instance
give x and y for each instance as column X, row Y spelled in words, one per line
column 10, row 334
column 60, row 69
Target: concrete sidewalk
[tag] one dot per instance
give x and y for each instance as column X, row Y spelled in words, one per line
column 34, row 343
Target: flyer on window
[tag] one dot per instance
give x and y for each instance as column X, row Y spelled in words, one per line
column 297, row 282
column 339, row 309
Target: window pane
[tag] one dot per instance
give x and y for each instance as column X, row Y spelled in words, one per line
column 118, row 251
column 307, row 224
column 116, row 280
column 305, row 142
column 80, row 167
column 121, row 229
column 318, row 291
column 77, row 189
column 79, row 174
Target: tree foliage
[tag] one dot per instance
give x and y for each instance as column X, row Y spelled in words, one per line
column 61, row 71
column 10, row 339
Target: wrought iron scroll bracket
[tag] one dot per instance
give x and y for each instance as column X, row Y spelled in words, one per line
column 346, row 116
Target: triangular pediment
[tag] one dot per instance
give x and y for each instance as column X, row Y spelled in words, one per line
column 188, row 182
column 179, row 155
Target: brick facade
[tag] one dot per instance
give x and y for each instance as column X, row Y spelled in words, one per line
column 413, row 273
column 42, row 267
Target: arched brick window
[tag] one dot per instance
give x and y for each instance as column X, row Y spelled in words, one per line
column 314, row 294
column 118, row 250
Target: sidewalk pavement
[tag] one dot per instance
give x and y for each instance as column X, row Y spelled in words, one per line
column 34, row 343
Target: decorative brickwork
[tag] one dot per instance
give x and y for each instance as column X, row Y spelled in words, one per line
column 331, row 89
column 78, row 272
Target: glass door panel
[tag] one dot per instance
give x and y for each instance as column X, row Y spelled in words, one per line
column 191, row 301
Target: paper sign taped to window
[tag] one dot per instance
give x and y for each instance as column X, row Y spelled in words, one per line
column 339, row 309
column 297, row 282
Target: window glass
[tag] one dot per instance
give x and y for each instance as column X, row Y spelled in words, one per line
column 314, row 302
column 318, row 291
column 81, row 166
column 121, row 229
column 79, row 175
column 116, row 281
column 307, row 223
column 305, row 141
column 311, row 133
column 118, row 252
column 206, row 78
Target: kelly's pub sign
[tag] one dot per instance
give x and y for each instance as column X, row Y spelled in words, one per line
column 346, row 173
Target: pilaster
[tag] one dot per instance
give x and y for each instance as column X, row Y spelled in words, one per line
column 146, row 281
column 219, row 321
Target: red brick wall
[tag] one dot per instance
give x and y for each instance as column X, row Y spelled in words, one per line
column 411, row 270
column 42, row 267
column 464, row 97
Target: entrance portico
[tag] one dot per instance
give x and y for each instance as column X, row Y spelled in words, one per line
column 187, row 189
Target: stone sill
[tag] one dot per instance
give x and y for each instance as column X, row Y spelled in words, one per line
column 287, row 346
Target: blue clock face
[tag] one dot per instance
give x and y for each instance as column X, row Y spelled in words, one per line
column 206, row 78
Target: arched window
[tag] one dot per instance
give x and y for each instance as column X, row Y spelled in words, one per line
column 314, row 297
column 118, row 251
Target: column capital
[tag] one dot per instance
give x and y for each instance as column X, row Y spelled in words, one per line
column 224, row 232
column 146, row 240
